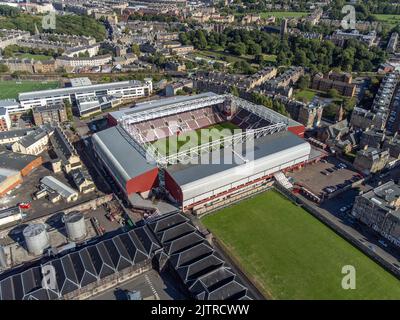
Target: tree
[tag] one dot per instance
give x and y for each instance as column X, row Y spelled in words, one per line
column 235, row 91
column 304, row 82
column 254, row 48
column 237, row 49
column 333, row 93
column 330, row 111
column 136, row 49
column 3, row 68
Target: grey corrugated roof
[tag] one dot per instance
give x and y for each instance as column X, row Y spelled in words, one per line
column 117, row 151
column 58, row 186
column 265, row 146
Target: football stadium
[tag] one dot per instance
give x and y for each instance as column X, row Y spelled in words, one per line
column 163, row 145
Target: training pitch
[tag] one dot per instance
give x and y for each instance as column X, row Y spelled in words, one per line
column 292, row 255
column 11, row 89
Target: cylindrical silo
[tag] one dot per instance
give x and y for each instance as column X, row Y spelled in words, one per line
column 75, row 226
column 36, row 238
column 3, row 258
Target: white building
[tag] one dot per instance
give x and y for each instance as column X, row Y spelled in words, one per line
column 124, row 90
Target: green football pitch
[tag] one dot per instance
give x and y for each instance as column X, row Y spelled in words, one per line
column 11, row 89
column 176, row 143
column 292, row 255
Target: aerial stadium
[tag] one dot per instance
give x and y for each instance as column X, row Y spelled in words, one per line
column 256, row 144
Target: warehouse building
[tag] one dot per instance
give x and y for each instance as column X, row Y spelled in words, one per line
column 66, row 192
column 170, row 243
column 19, row 162
column 13, row 167
column 9, row 179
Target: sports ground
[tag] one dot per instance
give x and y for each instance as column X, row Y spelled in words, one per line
column 11, row 89
column 291, row 255
column 175, row 143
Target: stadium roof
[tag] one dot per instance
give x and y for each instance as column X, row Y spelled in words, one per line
column 117, row 151
column 139, row 107
column 269, row 151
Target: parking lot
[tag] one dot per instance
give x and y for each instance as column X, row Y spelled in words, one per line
column 325, row 177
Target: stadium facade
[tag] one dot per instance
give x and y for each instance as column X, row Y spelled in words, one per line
column 201, row 175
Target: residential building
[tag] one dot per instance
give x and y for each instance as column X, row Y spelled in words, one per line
column 74, row 62
column 393, row 43
column 371, row 160
column 340, row 82
column 379, row 209
column 51, row 114
column 34, row 143
column 83, row 181
column 68, row 159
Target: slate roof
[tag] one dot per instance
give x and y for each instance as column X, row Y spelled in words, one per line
column 201, row 269
column 77, row 269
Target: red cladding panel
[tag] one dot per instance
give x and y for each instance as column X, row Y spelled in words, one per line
column 173, row 188
column 298, row 131
column 111, row 121
column 143, row 183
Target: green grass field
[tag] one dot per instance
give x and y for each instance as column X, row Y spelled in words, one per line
column 292, row 255
column 172, row 144
column 390, row 19
column 11, row 89
column 307, row 94
column 283, row 14
column 38, row 57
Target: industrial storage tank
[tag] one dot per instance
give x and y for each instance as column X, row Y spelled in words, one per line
column 75, row 226
column 36, row 238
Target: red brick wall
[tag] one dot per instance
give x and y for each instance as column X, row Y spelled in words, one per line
column 34, row 164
